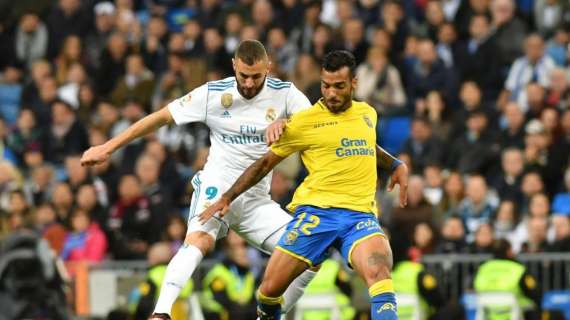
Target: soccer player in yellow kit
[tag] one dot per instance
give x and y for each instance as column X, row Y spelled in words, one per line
column 335, row 205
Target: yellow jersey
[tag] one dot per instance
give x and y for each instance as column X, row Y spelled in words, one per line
column 339, row 152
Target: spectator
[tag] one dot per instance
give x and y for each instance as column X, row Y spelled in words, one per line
column 534, row 66
column 87, row 100
column 19, row 206
column 31, row 39
column 39, row 188
column 545, row 156
column 10, row 92
column 42, row 106
column 67, row 135
column 559, row 88
column 508, row 184
column 512, row 135
column 436, row 113
column 427, row 74
column 353, row 38
column 433, row 190
column 423, row 242
column 483, row 240
column 153, row 46
column 302, row 34
column 133, row 223
column 112, row 63
column 535, row 102
column 193, row 44
column 539, row 206
column 10, row 180
column 69, row 91
column 173, row 82
column 282, row 187
column 532, row 184
column 454, row 190
column 62, row 200
column 148, row 171
column 86, row 200
column 67, row 18
column 262, row 16
column 476, row 58
column 561, row 201
column 233, row 23
column 446, row 44
column 556, row 47
column 471, row 99
column 380, row 84
column 96, row 40
column 85, row 242
column 175, row 232
column 550, row 119
column 306, row 77
column 453, row 236
column 403, row 221
column 217, row 59
column 435, row 18
column 138, row 83
column 549, row 16
column 422, row 146
column 537, row 228
column 475, row 151
column 71, row 54
column 561, row 224
column 26, row 136
column 277, row 46
column 477, row 207
column 40, row 69
column 509, row 31
column 506, row 220
column 46, row 224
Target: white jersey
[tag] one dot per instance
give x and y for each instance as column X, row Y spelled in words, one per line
column 237, row 125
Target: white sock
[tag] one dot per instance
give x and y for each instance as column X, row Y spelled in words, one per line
column 179, row 270
column 296, row 289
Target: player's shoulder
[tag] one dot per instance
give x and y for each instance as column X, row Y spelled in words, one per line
column 277, row 84
column 309, row 114
column 220, row 85
column 363, row 106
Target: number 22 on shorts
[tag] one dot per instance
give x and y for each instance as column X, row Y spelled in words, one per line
column 306, row 227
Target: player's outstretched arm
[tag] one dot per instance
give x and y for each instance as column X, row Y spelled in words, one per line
column 399, row 172
column 99, row 154
column 250, row 177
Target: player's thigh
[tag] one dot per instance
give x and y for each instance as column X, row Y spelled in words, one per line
column 372, row 259
column 261, row 222
column 281, row 270
column 206, row 191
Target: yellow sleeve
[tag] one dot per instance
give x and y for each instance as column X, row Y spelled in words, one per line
column 292, row 139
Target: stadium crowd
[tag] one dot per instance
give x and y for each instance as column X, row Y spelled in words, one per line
column 484, row 83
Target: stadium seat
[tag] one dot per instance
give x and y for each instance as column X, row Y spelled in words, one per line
column 317, row 302
column 504, row 303
column 392, row 133
column 557, row 300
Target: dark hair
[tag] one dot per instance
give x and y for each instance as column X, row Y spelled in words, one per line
column 338, row 59
column 500, row 249
column 250, row 52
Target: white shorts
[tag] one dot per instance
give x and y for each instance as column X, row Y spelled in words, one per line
column 253, row 215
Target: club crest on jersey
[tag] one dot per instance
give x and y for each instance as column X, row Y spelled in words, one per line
column 291, row 237
column 227, row 100
column 270, row 115
column 368, row 121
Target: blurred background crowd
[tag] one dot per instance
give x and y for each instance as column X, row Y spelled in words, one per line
column 473, row 95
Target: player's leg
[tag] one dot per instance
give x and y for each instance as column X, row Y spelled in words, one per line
column 199, row 240
column 263, row 223
column 297, row 287
column 281, row 270
column 364, row 246
column 372, row 259
column 304, row 243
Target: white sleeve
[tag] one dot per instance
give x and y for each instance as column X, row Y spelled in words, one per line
column 191, row 107
column 296, row 101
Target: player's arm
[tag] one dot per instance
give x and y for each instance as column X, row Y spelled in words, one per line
column 144, row 126
column 398, row 170
column 250, row 177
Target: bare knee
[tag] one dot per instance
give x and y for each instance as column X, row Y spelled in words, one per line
column 201, row 240
column 270, row 287
column 378, row 266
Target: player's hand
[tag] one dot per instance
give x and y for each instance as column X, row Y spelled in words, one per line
column 274, row 131
column 400, row 177
column 221, row 206
column 95, row 155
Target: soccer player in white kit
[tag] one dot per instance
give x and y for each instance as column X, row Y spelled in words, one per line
column 238, row 110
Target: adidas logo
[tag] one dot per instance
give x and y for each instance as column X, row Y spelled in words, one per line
column 226, row 114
